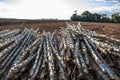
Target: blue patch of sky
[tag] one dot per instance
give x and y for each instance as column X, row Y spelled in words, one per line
column 4, row 0
column 104, row 3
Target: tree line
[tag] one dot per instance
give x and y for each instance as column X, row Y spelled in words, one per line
column 95, row 17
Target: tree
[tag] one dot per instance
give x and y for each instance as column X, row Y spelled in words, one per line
column 75, row 17
column 96, row 17
column 104, row 18
column 116, row 17
column 86, row 16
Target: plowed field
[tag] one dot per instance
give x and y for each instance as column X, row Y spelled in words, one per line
column 109, row 29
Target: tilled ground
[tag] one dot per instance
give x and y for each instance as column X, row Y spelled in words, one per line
column 109, row 29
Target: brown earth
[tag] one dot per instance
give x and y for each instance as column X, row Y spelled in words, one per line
column 109, row 29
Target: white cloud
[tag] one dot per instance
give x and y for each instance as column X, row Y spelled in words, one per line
column 79, row 5
column 61, row 9
column 113, row 0
column 36, row 9
column 107, row 10
column 97, row 0
column 106, row 0
column 11, row 1
column 4, row 9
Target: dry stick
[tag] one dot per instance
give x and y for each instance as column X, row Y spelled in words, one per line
column 6, row 62
column 109, row 71
column 35, row 67
column 22, row 46
column 85, row 54
column 60, row 62
column 50, row 61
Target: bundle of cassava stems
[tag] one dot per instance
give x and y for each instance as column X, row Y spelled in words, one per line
column 70, row 53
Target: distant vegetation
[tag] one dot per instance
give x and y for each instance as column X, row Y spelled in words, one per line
column 95, row 17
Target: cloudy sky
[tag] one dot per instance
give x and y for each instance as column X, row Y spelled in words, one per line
column 61, row 9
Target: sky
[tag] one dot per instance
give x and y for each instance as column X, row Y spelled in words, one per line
column 60, row 9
